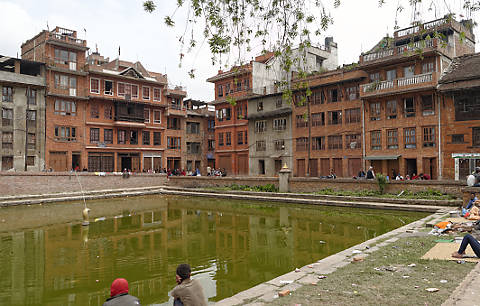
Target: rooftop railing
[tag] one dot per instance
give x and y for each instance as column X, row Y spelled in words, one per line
column 434, row 43
column 424, row 26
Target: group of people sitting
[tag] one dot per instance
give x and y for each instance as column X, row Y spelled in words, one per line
column 188, row 291
column 216, row 172
column 370, row 175
column 472, row 212
column 178, row 172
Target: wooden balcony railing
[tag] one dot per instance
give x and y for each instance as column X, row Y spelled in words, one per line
column 397, row 84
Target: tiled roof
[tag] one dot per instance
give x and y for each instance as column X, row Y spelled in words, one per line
column 462, row 68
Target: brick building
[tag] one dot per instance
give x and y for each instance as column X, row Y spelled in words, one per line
column 22, row 84
column 231, row 124
column 126, row 118
column 401, row 106
column 176, row 116
column 198, row 146
column 460, row 117
column 66, row 100
column 270, row 134
column 259, row 77
column 104, row 115
column 327, row 125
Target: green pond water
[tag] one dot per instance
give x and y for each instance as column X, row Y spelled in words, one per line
column 49, row 258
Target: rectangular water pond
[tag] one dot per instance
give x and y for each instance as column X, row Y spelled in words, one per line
column 49, row 258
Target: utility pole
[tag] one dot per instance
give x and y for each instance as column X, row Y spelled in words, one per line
column 27, row 93
column 309, row 136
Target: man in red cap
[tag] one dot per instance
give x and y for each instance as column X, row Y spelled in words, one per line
column 119, row 294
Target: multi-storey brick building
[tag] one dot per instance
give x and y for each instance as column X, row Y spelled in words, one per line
column 105, row 115
column 176, row 116
column 125, row 119
column 460, row 117
column 327, row 125
column 67, row 96
column 401, row 106
column 270, row 133
column 22, row 84
column 198, row 148
column 231, row 124
column 259, row 77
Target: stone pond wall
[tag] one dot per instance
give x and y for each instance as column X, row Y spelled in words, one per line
column 54, row 182
column 45, row 182
column 313, row 184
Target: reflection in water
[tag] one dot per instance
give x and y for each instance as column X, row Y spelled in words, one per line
column 231, row 246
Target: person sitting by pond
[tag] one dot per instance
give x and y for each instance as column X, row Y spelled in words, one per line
column 332, row 174
column 361, row 174
column 474, row 213
column 119, row 294
column 467, row 240
column 370, row 173
column 399, row 177
column 476, row 175
column 188, row 292
column 470, row 204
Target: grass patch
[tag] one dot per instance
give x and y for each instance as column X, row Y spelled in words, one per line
column 360, row 284
column 262, row 188
column 429, row 194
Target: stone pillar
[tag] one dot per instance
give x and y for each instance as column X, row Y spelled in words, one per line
column 283, row 177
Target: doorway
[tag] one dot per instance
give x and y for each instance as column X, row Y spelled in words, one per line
column 173, row 163
column 76, row 161
column 261, row 167
column 126, row 163
column 313, row 167
column 429, row 167
column 411, row 166
column 129, row 161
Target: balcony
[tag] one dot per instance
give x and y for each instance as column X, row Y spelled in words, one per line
column 406, row 50
column 176, row 110
column 66, row 36
column 177, row 91
column 65, row 66
column 416, row 82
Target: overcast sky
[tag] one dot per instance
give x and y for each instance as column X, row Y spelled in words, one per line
column 358, row 26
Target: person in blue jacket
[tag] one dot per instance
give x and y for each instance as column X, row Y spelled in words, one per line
column 470, row 203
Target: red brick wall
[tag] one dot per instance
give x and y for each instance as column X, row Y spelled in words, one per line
column 41, row 183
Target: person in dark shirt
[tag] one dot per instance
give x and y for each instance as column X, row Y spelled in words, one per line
column 476, row 174
column 370, row 173
column 119, row 294
column 470, row 204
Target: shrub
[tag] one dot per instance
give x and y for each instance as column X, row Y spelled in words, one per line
column 382, row 182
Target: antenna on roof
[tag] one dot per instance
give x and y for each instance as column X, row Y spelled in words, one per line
column 48, row 29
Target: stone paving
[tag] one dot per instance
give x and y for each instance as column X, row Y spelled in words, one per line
column 468, row 292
